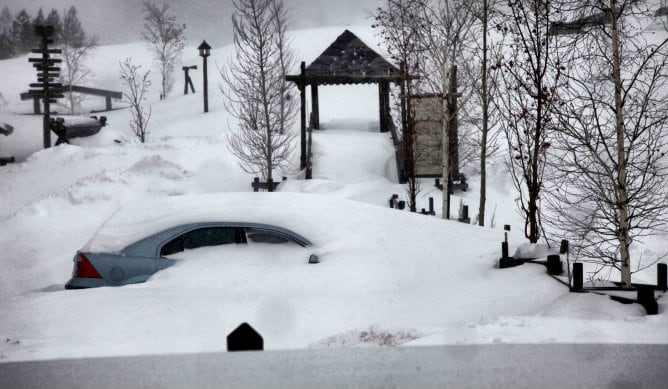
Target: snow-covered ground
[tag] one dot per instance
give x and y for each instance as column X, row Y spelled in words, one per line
column 386, row 278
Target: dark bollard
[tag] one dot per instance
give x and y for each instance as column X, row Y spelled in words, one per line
column 661, row 276
column 401, row 205
column 431, row 206
column 256, row 184
column 504, row 250
column 244, row 338
column 578, row 276
column 465, row 212
column 554, row 266
column 647, row 300
column 563, row 249
column 391, row 203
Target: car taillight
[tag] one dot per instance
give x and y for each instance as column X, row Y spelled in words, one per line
column 83, row 268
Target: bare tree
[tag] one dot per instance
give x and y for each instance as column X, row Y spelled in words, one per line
column 611, row 189
column 482, row 114
column 164, row 37
column 530, row 76
column 400, row 22
column 76, row 48
column 255, row 88
column 137, row 84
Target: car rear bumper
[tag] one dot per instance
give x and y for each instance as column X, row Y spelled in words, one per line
column 84, row 283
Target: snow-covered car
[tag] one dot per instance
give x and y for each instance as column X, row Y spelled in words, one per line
column 142, row 239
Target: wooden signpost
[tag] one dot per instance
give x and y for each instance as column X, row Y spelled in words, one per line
column 46, row 88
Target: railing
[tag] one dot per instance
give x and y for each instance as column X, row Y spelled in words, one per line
column 398, row 151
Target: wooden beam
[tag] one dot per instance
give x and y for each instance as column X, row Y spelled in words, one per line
column 302, row 94
column 315, row 106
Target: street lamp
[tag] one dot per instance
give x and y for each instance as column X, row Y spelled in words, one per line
column 205, row 51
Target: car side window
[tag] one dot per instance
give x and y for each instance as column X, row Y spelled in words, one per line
column 201, row 237
column 258, row 235
column 210, row 236
column 172, row 247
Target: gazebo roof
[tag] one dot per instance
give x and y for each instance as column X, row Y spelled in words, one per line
column 348, row 60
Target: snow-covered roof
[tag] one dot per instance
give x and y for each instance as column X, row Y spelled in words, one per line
column 141, row 219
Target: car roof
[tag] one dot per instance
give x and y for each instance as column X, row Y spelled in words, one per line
column 138, row 220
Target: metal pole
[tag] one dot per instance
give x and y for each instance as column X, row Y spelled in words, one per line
column 206, row 88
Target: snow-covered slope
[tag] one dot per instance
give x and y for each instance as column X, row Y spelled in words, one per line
column 384, row 272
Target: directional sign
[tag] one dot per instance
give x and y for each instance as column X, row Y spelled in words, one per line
column 49, row 79
column 42, row 93
column 48, row 74
column 48, row 51
column 47, row 68
column 55, row 85
column 48, row 60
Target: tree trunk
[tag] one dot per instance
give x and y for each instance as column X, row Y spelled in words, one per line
column 485, row 118
column 621, row 187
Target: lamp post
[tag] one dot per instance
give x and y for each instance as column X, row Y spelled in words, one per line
column 205, row 51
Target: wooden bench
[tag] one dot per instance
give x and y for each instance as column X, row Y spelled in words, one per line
column 107, row 94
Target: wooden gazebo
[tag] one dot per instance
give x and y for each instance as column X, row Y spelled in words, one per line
column 347, row 60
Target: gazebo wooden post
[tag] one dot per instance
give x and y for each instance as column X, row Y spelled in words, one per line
column 315, row 106
column 384, row 104
column 302, row 94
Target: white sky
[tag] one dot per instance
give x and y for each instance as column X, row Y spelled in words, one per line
column 116, row 21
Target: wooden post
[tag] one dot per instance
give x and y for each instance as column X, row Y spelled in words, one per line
column 453, row 125
column 315, row 106
column 384, row 105
column 647, row 300
column 578, row 277
column 554, row 266
column 302, row 95
column 661, row 280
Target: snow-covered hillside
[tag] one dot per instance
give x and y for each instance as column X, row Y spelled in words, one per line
column 420, row 279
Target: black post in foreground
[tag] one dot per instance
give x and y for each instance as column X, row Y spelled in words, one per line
column 554, row 266
column 661, row 281
column 647, row 300
column 204, row 52
column 244, row 338
column 578, row 277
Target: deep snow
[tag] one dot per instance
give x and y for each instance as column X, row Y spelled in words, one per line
column 387, row 277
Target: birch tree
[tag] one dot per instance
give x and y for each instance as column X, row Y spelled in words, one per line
column 530, row 77
column 484, row 81
column 76, row 46
column 611, row 190
column 255, row 89
column 166, row 40
column 400, row 23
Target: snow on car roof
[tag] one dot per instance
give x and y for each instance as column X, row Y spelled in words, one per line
column 141, row 219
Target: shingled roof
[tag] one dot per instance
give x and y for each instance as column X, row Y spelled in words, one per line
column 348, row 60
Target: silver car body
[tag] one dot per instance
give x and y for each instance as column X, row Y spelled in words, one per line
column 138, row 261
